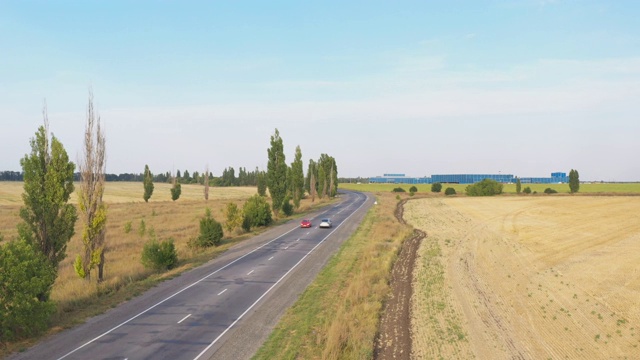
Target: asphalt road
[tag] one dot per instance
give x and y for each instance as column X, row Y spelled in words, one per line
column 223, row 309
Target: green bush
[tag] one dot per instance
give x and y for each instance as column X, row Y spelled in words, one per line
column 257, row 212
column 210, row 231
column 127, row 227
column 246, row 224
column 159, row 255
column 550, row 191
column 26, row 278
column 413, row 189
column 436, row 187
column 486, row 187
column 398, row 189
column 527, row 190
column 143, row 228
column 234, row 217
column 287, row 207
column 450, row 191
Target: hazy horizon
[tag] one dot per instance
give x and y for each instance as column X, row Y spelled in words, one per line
column 526, row 87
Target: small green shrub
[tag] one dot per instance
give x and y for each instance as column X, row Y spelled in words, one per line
column 413, row 189
column 127, row 227
column 159, row 255
column 527, row 190
column 26, row 278
column 486, row 187
column 287, row 207
column 210, row 231
column 398, row 190
column 436, row 187
column 142, row 229
column 450, row 191
column 257, row 211
column 550, row 191
column 234, row 217
column 246, row 224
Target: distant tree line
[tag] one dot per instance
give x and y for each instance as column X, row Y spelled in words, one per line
column 229, row 177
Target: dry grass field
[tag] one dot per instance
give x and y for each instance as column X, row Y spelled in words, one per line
column 75, row 298
column 125, row 277
column 527, row 278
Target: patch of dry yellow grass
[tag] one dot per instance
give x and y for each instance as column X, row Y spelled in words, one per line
column 529, row 277
column 167, row 219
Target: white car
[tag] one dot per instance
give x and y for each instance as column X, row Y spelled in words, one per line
column 325, row 223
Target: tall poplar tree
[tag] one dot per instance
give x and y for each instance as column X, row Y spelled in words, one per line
column 148, row 183
column 297, row 178
column 261, row 183
column 48, row 218
column 312, row 176
column 574, row 181
column 206, row 183
column 93, row 211
column 276, row 172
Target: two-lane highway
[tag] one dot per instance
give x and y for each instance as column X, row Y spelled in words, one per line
column 198, row 315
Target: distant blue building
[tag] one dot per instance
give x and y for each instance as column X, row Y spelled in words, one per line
column 556, row 177
column 399, row 179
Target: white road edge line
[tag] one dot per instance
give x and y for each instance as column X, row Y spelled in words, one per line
column 172, row 296
column 185, row 318
column 222, row 292
column 276, row 283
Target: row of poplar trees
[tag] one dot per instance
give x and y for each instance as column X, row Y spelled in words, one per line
column 288, row 183
column 29, row 264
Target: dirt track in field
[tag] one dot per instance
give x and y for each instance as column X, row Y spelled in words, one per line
column 527, row 278
column 394, row 337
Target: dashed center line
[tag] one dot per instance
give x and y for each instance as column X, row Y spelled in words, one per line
column 270, row 258
column 286, row 248
column 183, row 319
column 250, row 272
column 222, row 292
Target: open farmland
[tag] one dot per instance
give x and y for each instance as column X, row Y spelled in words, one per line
column 527, row 277
column 585, row 188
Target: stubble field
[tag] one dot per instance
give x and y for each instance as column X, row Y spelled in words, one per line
column 547, row 277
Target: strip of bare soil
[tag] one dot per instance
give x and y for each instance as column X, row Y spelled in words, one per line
column 394, row 336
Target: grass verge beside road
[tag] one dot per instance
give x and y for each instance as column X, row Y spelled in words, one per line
column 338, row 314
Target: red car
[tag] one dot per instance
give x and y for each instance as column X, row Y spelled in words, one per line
column 305, row 223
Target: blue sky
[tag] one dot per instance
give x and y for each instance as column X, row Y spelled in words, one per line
column 525, row 87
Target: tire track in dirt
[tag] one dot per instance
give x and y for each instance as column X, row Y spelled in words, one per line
column 394, row 334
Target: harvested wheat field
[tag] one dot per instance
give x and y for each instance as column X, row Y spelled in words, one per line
column 544, row 277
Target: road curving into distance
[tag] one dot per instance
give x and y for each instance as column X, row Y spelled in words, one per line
column 223, row 309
